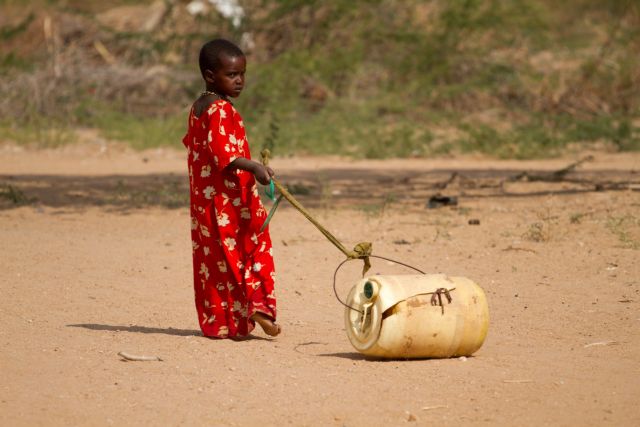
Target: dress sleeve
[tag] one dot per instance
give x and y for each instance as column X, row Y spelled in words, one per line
column 221, row 136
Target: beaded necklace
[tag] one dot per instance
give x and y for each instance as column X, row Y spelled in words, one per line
column 209, row 92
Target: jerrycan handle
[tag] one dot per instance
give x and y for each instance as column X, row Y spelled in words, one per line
column 335, row 275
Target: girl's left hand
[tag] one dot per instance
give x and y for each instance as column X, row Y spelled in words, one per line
column 263, row 174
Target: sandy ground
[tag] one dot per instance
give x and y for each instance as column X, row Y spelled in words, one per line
column 95, row 259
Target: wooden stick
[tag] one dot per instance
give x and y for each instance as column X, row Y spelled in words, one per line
column 514, row 248
column 599, row 343
column 104, row 52
column 135, row 358
column 428, row 408
column 554, row 176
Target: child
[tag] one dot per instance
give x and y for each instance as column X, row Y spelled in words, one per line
column 232, row 260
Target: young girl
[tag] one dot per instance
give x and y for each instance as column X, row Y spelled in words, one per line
column 232, row 260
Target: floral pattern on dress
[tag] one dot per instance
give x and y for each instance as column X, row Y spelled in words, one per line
column 232, row 260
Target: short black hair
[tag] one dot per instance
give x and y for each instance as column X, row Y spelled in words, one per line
column 211, row 52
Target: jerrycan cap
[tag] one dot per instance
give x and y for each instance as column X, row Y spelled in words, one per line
column 370, row 290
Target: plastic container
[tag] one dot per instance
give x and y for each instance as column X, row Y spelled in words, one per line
column 417, row 316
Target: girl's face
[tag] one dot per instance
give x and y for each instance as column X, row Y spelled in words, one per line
column 228, row 78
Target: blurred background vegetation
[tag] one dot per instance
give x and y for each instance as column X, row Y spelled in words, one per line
column 361, row 78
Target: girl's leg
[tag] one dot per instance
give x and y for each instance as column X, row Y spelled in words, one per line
column 261, row 296
column 268, row 326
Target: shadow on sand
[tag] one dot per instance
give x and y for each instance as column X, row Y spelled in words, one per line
column 149, row 330
column 138, row 329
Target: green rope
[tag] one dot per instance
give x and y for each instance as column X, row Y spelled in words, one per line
column 271, row 212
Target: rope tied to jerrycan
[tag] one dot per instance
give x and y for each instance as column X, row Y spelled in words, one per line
column 362, row 250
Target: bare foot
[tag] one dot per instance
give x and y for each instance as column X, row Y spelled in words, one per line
column 268, row 326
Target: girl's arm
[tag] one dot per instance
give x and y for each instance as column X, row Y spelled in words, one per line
column 262, row 173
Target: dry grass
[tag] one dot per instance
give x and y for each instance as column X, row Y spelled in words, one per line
column 340, row 77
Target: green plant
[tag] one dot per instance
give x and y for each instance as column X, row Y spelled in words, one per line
column 13, row 194
column 576, row 218
column 142, row 132
column 8, row 32
column 627, row 229
column 43, row 133
column 542, row 230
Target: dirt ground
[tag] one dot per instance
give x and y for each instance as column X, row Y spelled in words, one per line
column 95, row 259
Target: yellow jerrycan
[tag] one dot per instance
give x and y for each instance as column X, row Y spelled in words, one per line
column 416, row 316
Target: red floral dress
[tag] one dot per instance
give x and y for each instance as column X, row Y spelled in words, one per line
column 233, row 268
